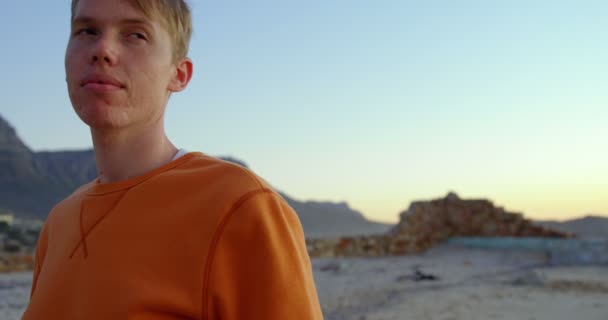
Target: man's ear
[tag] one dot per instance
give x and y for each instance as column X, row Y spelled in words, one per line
column 182, row 75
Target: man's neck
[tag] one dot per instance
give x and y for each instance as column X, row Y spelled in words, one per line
column 123, row 154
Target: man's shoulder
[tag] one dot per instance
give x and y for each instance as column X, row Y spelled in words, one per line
column 211, row 174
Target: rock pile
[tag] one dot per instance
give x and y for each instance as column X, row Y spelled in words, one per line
column 427, row 223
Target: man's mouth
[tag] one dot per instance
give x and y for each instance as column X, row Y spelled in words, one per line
column 98, row 86
column 101, row 82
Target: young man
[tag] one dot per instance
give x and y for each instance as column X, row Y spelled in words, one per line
column 160, row 234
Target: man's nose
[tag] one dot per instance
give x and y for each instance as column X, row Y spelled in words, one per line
column 104, row 52
column 105, row 58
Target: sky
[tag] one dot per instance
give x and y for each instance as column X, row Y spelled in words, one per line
column 375, row 103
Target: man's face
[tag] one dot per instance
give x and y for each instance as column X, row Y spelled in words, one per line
column 119, row 65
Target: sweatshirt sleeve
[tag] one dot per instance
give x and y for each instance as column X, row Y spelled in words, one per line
column 260, row 267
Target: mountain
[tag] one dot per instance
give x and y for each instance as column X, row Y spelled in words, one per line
column 70, row 169
column 31, row 183
column 327, row 219
column 24, row 186
column 590, row 226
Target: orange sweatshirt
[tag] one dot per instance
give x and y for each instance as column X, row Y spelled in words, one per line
column 198, row 238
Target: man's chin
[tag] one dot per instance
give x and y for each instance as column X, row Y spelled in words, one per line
column 103, row 117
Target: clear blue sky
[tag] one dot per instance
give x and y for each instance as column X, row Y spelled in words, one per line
column 376, row 103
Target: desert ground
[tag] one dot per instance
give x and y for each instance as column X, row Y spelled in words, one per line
column 458, row 283
column 445, row 283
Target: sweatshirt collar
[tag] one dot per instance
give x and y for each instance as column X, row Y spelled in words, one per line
column 96, row 188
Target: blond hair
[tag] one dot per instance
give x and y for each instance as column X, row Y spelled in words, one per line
column 175, row 16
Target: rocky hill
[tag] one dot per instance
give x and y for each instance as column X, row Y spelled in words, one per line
column 32, row 182
column 427, row 223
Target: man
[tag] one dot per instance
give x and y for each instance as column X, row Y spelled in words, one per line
column 160, row 234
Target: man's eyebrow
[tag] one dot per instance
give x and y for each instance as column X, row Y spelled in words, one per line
column 83, row 20
column 89, row 20
column 136, row 21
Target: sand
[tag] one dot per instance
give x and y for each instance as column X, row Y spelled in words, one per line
column 472, row 284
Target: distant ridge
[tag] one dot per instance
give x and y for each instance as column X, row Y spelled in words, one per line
column 31, row 183
column 330, row 219
column 589, row 226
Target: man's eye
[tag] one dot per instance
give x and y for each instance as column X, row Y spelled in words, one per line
column 85, row 31
column 138, row 35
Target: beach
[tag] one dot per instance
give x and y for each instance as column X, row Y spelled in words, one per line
column 468, row 284
column 445, row 283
